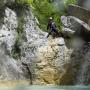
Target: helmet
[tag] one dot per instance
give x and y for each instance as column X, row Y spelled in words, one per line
column 50, row 18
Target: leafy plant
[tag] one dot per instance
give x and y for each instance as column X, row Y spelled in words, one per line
column 43, row 9
column 16, row 51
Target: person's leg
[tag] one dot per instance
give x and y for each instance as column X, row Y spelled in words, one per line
column 56, row 32
column 49, row 34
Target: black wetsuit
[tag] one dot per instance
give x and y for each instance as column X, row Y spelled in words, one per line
column 51, row 25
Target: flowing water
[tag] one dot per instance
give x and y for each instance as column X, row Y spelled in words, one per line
column 49, row 88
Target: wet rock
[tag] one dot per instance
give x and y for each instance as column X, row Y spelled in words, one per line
column 64, row 80
column 50, row 61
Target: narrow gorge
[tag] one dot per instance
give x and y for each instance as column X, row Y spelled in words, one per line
column 26, row 54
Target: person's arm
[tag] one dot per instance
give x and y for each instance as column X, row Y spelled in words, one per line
column 55, row 24
column 48, row 26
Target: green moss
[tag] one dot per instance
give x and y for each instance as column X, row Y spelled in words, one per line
column 16, row 51
column 21, row 35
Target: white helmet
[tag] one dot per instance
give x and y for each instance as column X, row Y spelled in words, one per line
column 50, row 18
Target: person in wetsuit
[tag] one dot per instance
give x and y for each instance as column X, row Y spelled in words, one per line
column 52, row 27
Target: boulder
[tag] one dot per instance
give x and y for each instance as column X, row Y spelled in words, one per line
column 78, row 26
column 67, row 32
column 74, row 23
column 79, row 12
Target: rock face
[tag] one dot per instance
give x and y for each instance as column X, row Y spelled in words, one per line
column 8, row 29
column 45, row 57
column 8, row 66
column 80, row 65
column 79, row 43
column 42, row 60
column 50, row 62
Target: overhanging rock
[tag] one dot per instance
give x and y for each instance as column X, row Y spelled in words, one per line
column 81, row 28
column 79, row 12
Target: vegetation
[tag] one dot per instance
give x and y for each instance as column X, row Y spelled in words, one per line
column 43, row 9
column 29, row 2
column 55, row 8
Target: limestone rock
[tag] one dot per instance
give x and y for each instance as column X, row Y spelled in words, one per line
column 47, row 76
column 77, row 26
column 42, row 58
column 50, row 62
column 45, row 56
column 9, row 69
column 67, row 32
column 8, row 29
column 74, row 23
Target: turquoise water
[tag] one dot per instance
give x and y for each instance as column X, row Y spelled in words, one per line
column 49, row 88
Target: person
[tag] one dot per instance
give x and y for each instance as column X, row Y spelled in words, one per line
column 52, row 27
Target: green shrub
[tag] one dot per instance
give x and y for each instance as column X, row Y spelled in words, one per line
column 43, row 9
column 24, row 1
column 16, row 51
